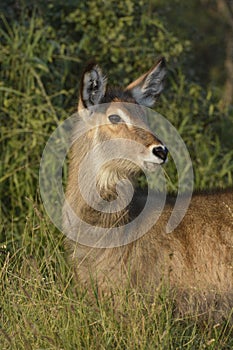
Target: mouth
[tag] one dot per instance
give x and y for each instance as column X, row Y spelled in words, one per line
column 150, row 166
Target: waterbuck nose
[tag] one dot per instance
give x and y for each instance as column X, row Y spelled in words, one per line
column 160, row 152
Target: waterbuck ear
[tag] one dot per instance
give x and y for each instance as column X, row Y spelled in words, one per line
column 93, row 86
column 148, row 87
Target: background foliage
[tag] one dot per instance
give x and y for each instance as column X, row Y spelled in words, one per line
column 44, row 48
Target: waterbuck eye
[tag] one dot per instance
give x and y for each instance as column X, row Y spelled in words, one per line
column 115, row 119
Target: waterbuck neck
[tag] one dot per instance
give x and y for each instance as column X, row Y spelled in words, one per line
column 111, row 183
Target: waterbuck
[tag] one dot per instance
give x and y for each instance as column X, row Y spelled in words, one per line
column 195, row 260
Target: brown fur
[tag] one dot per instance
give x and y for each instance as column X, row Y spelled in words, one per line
column 195, row 260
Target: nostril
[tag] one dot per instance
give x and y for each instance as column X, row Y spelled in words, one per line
column 160, row 152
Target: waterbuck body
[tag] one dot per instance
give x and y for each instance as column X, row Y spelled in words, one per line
column 195, row 260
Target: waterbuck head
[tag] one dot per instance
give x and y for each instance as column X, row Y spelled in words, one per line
column 118, row 114
column 111, row 144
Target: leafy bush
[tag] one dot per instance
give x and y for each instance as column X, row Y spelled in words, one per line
column 44, row 50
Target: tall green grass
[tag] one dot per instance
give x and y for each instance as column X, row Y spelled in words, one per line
column 41, row 307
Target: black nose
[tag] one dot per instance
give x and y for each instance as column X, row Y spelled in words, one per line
column 160, row 152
